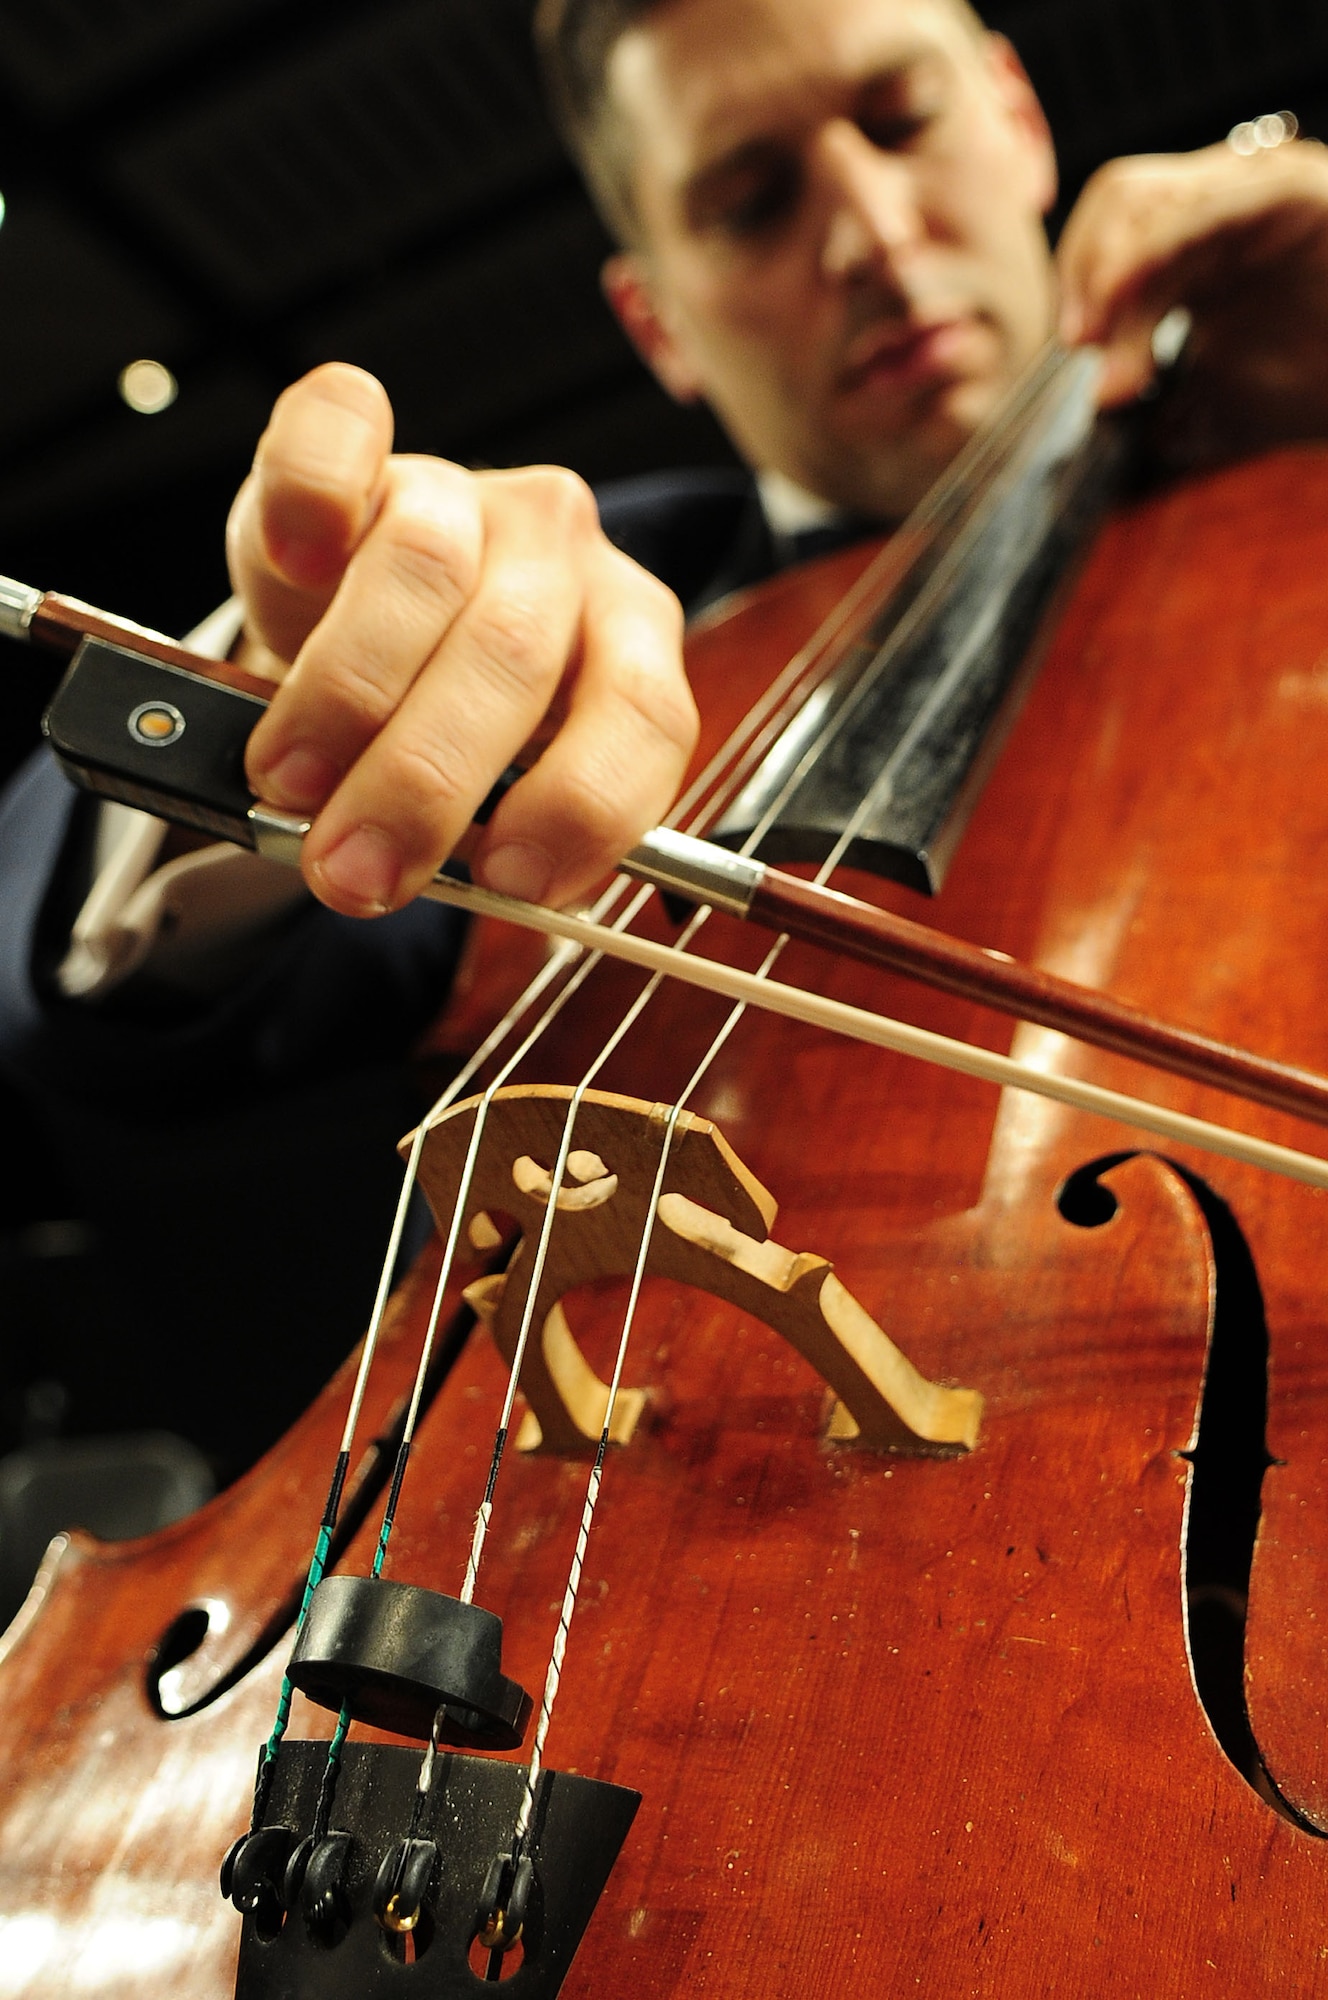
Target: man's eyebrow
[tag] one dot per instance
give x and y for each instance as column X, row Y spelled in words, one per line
column 761, row 146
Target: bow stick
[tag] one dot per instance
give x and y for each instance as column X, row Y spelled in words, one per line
column 706, row 874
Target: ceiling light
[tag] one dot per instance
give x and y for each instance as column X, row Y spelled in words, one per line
column 148, row 387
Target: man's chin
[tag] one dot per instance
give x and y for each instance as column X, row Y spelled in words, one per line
column 891, row 475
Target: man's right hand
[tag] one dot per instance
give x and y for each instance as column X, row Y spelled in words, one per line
column 427, row 623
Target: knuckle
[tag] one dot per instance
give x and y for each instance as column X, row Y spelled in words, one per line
column 559, row 495
column 431, row 559
column 357, row 688
column 1093, row 192
column 651, row 678
column 1112, row 173
column 680, row 717
column 512, row 636
column 665, row 704
column 656, row 599
column 608, row 822
column 1120, row 188
column 424, row 783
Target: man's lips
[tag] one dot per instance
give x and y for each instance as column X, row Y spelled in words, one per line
column 903, row 356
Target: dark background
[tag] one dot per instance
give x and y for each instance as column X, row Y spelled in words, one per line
column 242, row 188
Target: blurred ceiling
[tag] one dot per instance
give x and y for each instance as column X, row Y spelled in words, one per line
column 241, row 188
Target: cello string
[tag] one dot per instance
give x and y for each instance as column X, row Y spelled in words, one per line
column 857, row 695
column 332, row 1766
column 572, row 1589
column 571, row 1593
column 730, row 761
column 583, row 971
column 680, row 949
column 955, row 669
column 938, row 695
column 613, row 1042
column 798, row 1003
column 814, row 750
column 817, row 647
column 553, row 1675
column 555, row 965
column 1050, row 367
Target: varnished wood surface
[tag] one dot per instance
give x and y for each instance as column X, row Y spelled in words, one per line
column 881, row 937
column 900, row 1725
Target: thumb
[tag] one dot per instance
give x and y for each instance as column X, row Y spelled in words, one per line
column 313, row 491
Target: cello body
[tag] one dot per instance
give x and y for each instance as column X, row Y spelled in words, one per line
column 976, row 1724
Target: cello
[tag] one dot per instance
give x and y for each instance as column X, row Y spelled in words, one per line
column 1040, row 1714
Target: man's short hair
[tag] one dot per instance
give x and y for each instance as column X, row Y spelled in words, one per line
column 576, row 40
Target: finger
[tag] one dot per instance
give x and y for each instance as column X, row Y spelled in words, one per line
column 1111, row 243
column 1129, row 365
column 1141, row 242
column 1168, row 230
column 399, row 597
column 615, row 765
column 304, row 507
column 410, row 796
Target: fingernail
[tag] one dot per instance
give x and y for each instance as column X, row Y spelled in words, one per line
column 517, row 870
column 304, row 779
column 365, row 868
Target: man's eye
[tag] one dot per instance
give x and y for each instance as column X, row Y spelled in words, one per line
column 760, row 203
column 896, row 131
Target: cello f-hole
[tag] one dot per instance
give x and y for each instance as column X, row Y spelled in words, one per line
column 1227, row 1457
column 180, row 1641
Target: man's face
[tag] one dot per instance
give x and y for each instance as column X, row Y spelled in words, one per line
column 840, row 207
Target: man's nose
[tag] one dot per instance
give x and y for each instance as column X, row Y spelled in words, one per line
column 872, row 215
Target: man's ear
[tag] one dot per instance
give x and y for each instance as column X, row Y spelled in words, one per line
column 628, row 288
column 1015, row 90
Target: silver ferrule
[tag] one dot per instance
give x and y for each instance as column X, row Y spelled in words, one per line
column 696, row 869
column 18, row 608
column 278, row 836
column 672, row 861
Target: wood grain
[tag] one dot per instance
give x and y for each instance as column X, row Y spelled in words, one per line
column 900, row 1725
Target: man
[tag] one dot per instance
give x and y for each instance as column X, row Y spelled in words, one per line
column 831, row 213
column 831, row 219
